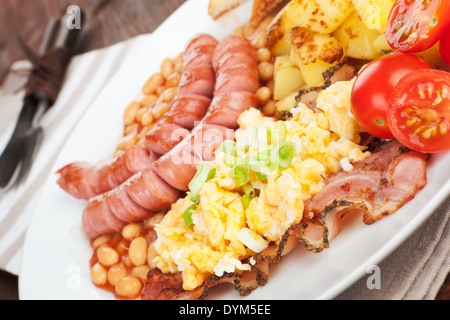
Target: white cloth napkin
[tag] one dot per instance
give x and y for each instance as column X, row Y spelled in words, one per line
column 86, row 75
column 416, row 270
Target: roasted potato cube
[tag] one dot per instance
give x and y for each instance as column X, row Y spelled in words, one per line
column 374, row 13
column 357, row 39
column 287, row 77
column 282, row 47
column 314, row 53
column 287, row 103
column 321, row 16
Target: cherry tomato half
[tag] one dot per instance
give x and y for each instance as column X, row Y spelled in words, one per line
column 373, row 87
column 416, row 25
column 444, row 47
column 419, row 111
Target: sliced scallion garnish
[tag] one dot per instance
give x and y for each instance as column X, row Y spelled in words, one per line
column 249, row 190
column 241, row 174
column 285, row 153
column 232, row 161
column 187, row 215
column 278, row 135
column 228, row 147
column 245, row 200
column 261, row 176
column 203, row 174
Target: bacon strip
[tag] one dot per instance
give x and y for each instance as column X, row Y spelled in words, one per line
column 377, row 186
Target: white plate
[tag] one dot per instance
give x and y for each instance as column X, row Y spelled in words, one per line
column 56, row 253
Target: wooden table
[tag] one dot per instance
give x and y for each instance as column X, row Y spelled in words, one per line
column 109, row 22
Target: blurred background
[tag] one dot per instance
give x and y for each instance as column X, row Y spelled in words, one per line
column 108, row 22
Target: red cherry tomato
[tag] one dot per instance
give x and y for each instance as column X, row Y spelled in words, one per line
column 444, row 47
column 419, row 111
column 373, row 87
column 416, row 25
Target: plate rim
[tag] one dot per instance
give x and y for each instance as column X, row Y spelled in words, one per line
column 343, row 283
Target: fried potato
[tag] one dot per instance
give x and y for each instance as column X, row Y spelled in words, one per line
column 217, row 8
column 314, row 53
column 321, row 16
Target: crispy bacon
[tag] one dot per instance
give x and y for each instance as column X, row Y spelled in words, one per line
column 160, row 286
column 376, row 187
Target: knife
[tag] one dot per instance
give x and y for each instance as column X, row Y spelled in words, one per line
column 42, row 90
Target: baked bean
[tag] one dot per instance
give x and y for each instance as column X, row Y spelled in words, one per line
column 265, row 70
column 260, row 41
column 131, row 231
column 147, row 118
column 269, row 108
column 148, row 100
column 168, row 95
column 144, row 131
column 151, row 222
column 131, row 129
column 167, row 67
column 264, row 54
column 140, row 272
column 270, row 84
column 141, row 113
column 127, row 262
column 127, row 141
column 116, row 273
column 129, row 287
column 160, row 90
column 98, row 274
column 153, row 83
column 121, row 247
column 264, row 94
column 101, row 240
column 138, row 251
column 129, row 115
column 107, row 256
column 151, row 254
column 178, row 67
column 160, row 109
column 173, row 80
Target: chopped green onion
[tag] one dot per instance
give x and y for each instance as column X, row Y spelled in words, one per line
column 211, row 174
column 204, row 173
column 285, row 154
column 228, row 147
column 187, row 215
column 195, row 198
column 232, row 161
column 241, row 173
column 245, row 200
column 242, row 147
column 261, row 176
column 249, row 191
column 278, row 135
column 261, row 161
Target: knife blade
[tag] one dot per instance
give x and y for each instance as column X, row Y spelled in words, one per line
column 19, row 152
column 17, row 157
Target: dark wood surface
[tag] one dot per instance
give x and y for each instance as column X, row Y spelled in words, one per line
column 108, row 22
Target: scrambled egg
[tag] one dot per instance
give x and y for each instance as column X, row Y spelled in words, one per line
column 226, row 230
